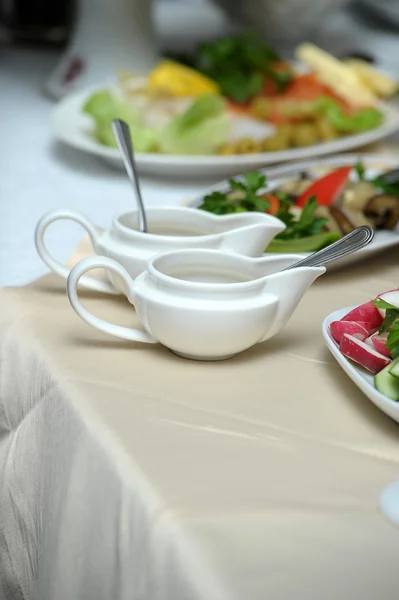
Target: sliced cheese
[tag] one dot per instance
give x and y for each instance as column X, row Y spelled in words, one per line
column 336, row 75
column 378, row 82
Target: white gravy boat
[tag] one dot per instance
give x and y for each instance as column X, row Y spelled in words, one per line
column 203, row 304
column 173, row 228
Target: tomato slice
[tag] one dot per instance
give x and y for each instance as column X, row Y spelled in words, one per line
column 327, row 188
column 308, row 87
column 274, row 204
column 303, row 88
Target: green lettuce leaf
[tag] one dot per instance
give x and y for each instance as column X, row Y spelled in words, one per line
column 199, row 130
column 362, row 120
column 104, row 106
column 311, row 243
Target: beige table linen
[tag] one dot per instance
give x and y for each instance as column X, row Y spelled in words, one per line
column 128, row 473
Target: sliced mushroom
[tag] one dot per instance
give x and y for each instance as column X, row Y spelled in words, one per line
column 294, row 188
column 357, row 195
column 347, row 220
column 383, row 211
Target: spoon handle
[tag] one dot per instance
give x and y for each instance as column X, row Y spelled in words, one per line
column 353, row 241
column 124, row 141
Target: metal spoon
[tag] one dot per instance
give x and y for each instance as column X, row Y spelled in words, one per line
column 353, row 241
column 123, row 139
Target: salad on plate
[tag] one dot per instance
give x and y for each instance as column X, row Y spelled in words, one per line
column 369, row 336
column 317, row 209
column 237, row 96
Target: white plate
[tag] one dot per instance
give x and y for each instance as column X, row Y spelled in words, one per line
column 374, row 164
column 389, row 499
column 74, row 128
column 359, row 376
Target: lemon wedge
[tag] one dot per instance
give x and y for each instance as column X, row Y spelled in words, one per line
column 181, row 81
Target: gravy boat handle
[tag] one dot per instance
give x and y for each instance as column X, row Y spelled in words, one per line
column 102, row 262
column 55, row 265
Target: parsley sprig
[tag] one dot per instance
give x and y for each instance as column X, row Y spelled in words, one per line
column 390, row 324
column 307, row 223
column 250, row 195
column 387, row 182
column 240, row 65
column 241, row 197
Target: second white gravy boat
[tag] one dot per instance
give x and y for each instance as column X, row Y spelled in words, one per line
column 203, row 304
column 170, row 228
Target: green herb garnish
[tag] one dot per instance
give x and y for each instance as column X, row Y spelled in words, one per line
column 245, row 196
column 362, row 120
column 390, row 317
column 390, row 324
column 393, row 339
column 360, row 170
column 241, row 197
column 389, row 187
column 380, row 303
column 307, row 224
column 311, row 243
column 240, row 65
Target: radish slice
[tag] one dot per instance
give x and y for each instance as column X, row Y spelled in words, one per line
column 358, row 330
column 363, row 354
column 365, row 313
column 379, row 343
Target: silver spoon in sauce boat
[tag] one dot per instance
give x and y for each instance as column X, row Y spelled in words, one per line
column 353, row 241
column 123, row 139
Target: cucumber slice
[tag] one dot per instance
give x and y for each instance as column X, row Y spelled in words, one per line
column 394, row 368
column 386, row 383
column 310, row 243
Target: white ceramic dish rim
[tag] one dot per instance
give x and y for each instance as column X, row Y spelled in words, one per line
column 359, row 376
column 159, row 275
column 77, row 137
column 132, row 233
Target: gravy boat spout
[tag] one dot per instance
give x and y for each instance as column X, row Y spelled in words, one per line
column 250, row 240
column 289, row 287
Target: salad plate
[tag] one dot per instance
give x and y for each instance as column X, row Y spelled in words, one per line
column 364, row 341
column 236, row 107
column 360, row 377
column 278, row 178
column 75, row 129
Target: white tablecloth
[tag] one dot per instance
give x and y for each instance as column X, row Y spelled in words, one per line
column 128, row 473
column 113, row 490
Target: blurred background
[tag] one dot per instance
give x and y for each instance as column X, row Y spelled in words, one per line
column 368, row 27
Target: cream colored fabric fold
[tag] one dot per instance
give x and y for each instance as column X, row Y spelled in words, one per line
column 128, row 473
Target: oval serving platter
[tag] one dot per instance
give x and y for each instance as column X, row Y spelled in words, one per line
column 374, row 164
